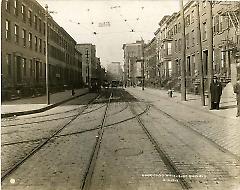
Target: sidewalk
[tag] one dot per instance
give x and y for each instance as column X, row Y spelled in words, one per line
column 38, row 104
column 228, row 104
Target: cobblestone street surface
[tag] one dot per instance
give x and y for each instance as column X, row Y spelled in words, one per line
column 122, row 139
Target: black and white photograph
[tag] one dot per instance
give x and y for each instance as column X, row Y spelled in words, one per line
column 120, row 94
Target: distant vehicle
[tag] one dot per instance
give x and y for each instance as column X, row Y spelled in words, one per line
column 115, row 83
column 121, row 83
column 106, row 84
column 95, row 85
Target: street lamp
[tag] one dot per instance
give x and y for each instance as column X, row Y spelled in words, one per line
column 46, row 53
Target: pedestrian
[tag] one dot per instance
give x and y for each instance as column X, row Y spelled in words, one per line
column 216, row 92
column 236, row 89
column 73, row 92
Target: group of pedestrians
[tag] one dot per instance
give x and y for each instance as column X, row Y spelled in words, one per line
column 216, row 92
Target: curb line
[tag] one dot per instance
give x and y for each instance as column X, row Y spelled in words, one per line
column 5, row 115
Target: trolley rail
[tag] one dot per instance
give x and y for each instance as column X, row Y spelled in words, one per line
column 163, row 155
column 45, row 141
column 90, row 168
column 183, row 124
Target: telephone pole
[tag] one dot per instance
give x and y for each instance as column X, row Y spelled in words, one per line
column 46, row 53
column 183, row 57
column 210, row 49
column 143, row 77
column 200, row 63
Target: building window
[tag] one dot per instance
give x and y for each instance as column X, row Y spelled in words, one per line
column 23, row 11
column 7, row 5
column 44, row 47
column 175, row 45
column 16, row 33
column 216, row 24
column 15, row 8
column 35, row 43
column 40, row 45
column 40, row 68
column 193, row 38
column 179, row 26
column 193, row 17
column 9, row 64
column 44, row 28
column 40, row 25
column 187, row 40
column 31, row 67
column 24, row 66
column 30, row 40
column 187, row 20
column 8, row 33
column 223, row 58
column 194, row 69
column 169, row 50
column 175, row 29
column 24, row 37
column 204, row 31
column 170, row 68
column 35, row 21
column 30, row 17
column 220, row 23
column 179, row 45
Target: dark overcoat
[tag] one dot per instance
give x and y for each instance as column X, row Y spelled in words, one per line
column 236, row 89
column 216, row 91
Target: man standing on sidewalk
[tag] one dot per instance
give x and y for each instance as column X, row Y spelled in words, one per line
column 216, row 92
column 236, row 89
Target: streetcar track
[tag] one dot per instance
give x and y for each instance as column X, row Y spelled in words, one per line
column 37, row 148
column 187, row 126
column 78, row 132
column 163, row 155
column 93, row 158
column 194, row 150
column 53, row 119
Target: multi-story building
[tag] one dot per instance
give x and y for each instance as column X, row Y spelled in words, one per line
column 225, row 42
column 133, row 55
column 114, row 71
column 23, row 24
column 150, row 63
column 88, row 52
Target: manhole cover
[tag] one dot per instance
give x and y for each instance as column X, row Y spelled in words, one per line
column 128, row 152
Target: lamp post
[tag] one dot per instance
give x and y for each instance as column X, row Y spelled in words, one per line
column 46, row 53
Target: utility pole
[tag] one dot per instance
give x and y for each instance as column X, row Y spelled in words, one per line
column 88, row 69
column 200, row 63
column 143, row 77
column 210, row 49
column 46, row 40
column 183, row 57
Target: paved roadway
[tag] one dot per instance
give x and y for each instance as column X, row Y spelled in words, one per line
column 135, row 140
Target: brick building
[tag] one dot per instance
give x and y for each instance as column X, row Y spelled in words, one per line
column 150, row 63
column 133, row 55
column 23, row 50
column 225, row 43
column 89, row 64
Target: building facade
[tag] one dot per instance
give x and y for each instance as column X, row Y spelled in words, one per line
column 114, row 71
column 133, row 55
column 225, row 16
column 89, row 63
column 23, row 30
column 150, row 63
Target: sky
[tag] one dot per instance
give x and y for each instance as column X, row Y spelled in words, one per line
column 110, row 23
